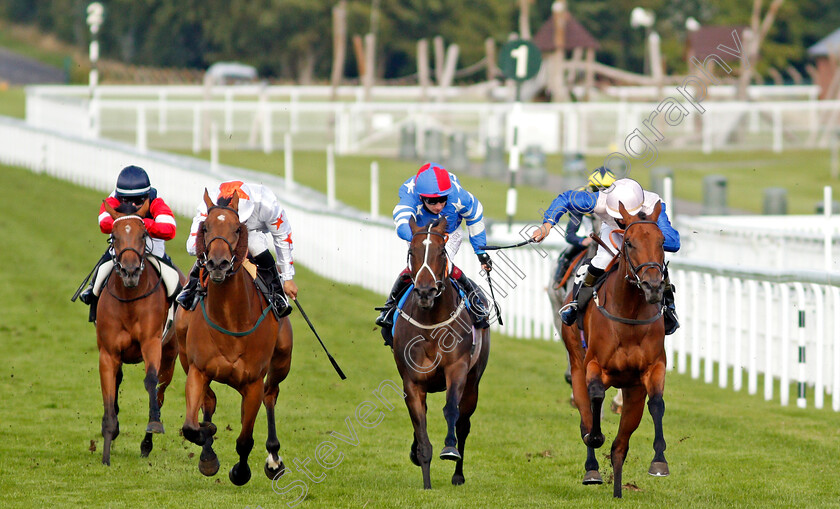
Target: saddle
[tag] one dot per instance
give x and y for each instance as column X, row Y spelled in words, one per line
column 169, row 276
column 585, row 296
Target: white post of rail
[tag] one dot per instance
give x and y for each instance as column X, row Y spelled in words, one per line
column 668, row 191
column 288, row 160
column 330, row 177
column 214, row 148
column 828, row 230
column 374, row 189
column 142, row 144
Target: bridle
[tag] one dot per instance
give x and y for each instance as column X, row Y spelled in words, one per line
column 634, row 278
column 142, row 256
column 233, row 265
column 118, row 266
column 439, row 282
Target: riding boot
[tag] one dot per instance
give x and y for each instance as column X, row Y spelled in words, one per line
column 671, row 321
column 581, row 293
column 386, row 317
column 267, row 270
column 187, row 298
column 478, row 307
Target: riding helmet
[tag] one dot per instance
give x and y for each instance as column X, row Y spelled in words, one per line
column 629, row 193
column 133, row 181
column 432, row 181
column 601, row 178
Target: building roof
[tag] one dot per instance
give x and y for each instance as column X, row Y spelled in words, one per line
column 705, row 41
column 576, row 35
column 826, row 45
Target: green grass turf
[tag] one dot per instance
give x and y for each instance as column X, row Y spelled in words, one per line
column 13, row 102
column 725, row 449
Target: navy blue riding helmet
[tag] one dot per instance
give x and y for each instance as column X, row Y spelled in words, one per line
column 133, row 185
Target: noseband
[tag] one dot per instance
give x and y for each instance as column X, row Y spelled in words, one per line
column 142, row 256
column 636, row 270
column 439, row 283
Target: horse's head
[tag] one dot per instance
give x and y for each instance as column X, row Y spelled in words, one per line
column 642, row 249
column 427, row 260
column 221, row 241
column 128, row 238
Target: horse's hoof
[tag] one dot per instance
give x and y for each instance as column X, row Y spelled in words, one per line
column 592, row 477
column 154, row 427
column 273, row 469
column 210, row 428
column 146, row 445
column 209, row 466
column 457, row 480
column 413, row 457
column 593, row 441
column 659, row 469
column 450, row 453
column 193, row 435
column 240, row 474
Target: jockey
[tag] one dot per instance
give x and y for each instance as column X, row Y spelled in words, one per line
column 598, row 180
column 262, row 214
column 605, row 205
column 133, row 188
column 432, row 193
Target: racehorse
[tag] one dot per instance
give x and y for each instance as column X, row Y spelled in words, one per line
column 131, row 314
column 625, row 333
column 436, row 349
column 234, row 339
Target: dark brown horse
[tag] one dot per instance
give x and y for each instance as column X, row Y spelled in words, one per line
column 131, row 314
column 625, row 334
column 234, row 339
column 437, row 349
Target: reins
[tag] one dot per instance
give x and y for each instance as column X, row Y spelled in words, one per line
column 228, row 332
column 142, row 256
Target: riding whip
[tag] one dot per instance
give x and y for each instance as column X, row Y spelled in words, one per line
column 493, row 296
column 495, row 248
column 602, row 243
column 335, row 364
column 84, row 283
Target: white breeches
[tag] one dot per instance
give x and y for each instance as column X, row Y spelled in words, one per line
column 603, row 257
column 258, row 242
column 454, row 243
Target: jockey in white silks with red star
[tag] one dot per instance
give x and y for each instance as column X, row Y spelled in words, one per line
column 433, row 193
column 264, row 218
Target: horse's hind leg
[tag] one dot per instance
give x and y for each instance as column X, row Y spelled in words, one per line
column 596, row 389
column 151, row 350
column 592, row 475
column 421, row 448
column 110, row 376
column 252, row 396
column 469, row 401
column 631, row 415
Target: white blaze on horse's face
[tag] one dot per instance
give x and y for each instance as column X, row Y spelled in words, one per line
column 427, row 242
column 221, row 217
column 127, row 228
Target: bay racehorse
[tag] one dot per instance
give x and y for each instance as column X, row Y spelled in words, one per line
column 233, row 338
column 436, row 348
column 625, row 336
column 131, row 314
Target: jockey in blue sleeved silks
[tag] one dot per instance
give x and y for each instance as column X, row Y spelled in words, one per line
column 605, row 205
column 433, row 193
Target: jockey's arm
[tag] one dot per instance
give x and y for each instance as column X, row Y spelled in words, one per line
column 404, row 211
column 473, row 214
column 274, row 218
column 200, row 215
column 106, row 222
column 672, row 236
column 163, row 225
column 575, row 218
column 578, row 201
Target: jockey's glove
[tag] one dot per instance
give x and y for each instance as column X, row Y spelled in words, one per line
column 484, row 259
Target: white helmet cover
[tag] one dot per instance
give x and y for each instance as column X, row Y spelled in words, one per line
column 625, row 191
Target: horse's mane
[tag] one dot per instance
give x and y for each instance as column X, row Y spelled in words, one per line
column 436, row 222
column 642, row 215
column 126, row 208
column 224, row 201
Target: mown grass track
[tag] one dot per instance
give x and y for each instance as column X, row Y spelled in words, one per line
column 725, row 449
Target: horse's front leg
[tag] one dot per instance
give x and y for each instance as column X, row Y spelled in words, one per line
column 151, row 350
column 252, row 396
column 631, row 416
column 196, row 390
column 421, row 448
column 110, row 373
column 277, row 372
column 595, row 388
column 655, row 384
column 456, row 374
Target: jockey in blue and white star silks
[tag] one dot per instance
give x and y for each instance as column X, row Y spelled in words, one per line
column 605, row 205
column 431, row 194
